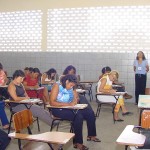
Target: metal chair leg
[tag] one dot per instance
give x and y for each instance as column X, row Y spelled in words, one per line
column 98, row 110
column 10, row 123
column 91, row 94
column 113, row 106
column 57, row 126
column 51, row 128
column 37, row 119
column 71, row 128
column 126, row 147
column 19, row 144
column 50, row 146
column 60, row 147
column 29, row 130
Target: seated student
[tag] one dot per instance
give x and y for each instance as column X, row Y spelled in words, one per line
column 121, row 88
column 104, row 71
column 30, row 70
column 31, row 81
column 4, row 140
column 3, row 117
column 3, row 82
column 17, row 93
column 64, row 94
column 72, row 70
column 3, row 77
column 68, row 70
column 26, row 71
column 105, row 86
column 48, row 78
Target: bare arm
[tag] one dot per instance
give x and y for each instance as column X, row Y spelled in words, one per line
column 134, row 68
column 5, row 80
column 100, row 76
column 26, row 95
column 53, row 98
column 76, row 97
column 12, row 93
column 101, row 88
column 147, row 68
column 43, row 79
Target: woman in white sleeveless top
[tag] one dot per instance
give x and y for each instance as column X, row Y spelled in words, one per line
column 105, row 86
column 48, row 78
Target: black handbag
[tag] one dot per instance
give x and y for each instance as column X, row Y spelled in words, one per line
column 119, row 89
column 147, row 141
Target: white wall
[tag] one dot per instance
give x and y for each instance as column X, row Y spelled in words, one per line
column 88, row 65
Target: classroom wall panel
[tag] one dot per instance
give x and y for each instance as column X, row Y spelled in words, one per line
column 88, row 65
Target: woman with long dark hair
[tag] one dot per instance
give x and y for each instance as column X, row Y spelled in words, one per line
column 64, row 94
column 48, row 78
column 141, row 68
column 31, row 81
column 72, row 71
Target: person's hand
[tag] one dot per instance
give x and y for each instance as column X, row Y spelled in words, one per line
column 112, row 91
column 27, row 97
column 36, row 86
column 73, row 103
column 77, row 99
column 52, row 82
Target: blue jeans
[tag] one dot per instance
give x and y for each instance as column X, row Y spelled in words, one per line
column 85, row 114
column 3, row 116
column 49, row 87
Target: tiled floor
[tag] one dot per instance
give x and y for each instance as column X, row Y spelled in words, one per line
column 107, row 131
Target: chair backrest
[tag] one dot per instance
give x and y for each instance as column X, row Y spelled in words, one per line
column 145, row 119
column 22, row 120
column 147, row 91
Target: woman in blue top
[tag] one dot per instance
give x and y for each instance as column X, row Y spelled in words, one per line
column 140, row 68
column 63, row 94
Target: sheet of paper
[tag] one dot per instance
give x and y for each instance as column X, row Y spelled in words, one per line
column 31, row 100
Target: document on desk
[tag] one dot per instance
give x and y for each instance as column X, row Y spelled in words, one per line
column 3, row 86
column 31, row 100
column 144, row 101
column 80, row 90
column 77, row 106
column 40, row 88
column 115, row 85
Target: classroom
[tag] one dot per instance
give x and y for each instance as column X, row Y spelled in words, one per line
column 74, row 74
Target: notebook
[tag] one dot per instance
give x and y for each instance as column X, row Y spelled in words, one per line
column 40, row 88
column 31, row 100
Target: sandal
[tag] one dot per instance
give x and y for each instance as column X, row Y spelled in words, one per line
column 75, row 146
column 80, row 148
column 93, row 139
column 127, row 113
column 119, row 120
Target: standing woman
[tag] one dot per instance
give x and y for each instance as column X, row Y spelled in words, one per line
column 141, row 68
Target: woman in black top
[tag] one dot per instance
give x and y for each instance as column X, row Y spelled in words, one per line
column 17, row 93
